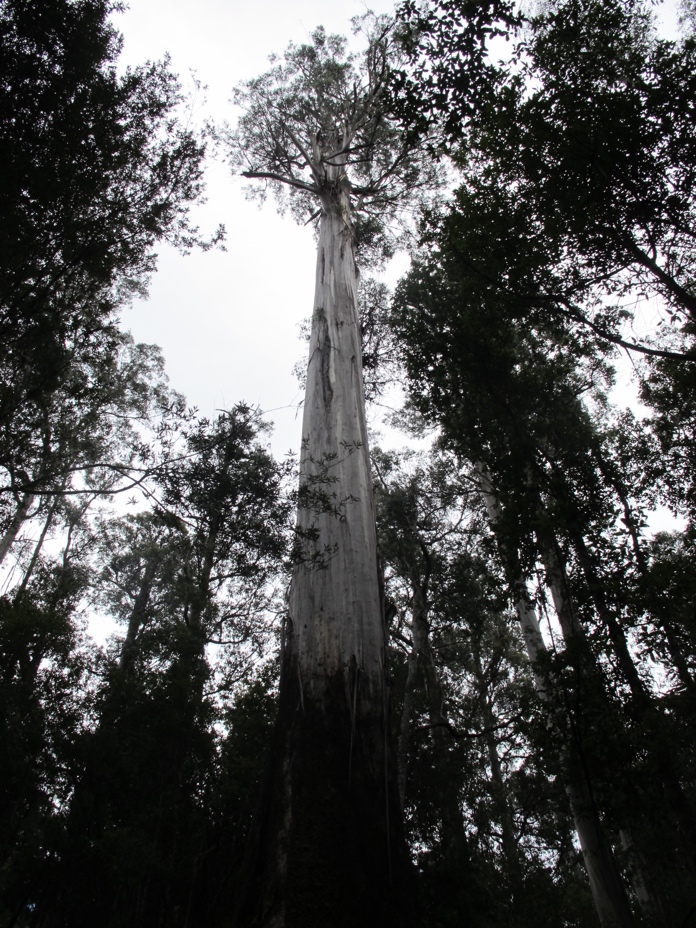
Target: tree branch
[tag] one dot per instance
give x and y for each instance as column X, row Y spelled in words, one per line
column 291, row 182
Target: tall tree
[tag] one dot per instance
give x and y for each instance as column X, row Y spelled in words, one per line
column 98, row 169
column 579, row 159
column 483, row 807
column 576, row 203
column 196, row 570
column 314, row 132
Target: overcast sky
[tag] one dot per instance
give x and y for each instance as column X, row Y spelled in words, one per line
column 228, row 322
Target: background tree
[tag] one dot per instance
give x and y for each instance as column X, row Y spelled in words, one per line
column 98, row 169
column 134, row 837
column 484, row 810
column 549, row 241
column 581, row 186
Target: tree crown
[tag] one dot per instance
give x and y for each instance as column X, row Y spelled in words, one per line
column 315, row 124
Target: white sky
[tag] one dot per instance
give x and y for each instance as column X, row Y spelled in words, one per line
column 228, row 322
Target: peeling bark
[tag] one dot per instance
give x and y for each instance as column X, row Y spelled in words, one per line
column 327, row 848
column 335, row 608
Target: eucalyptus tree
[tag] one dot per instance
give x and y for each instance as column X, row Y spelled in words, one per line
column 315, row 134
column 576, row 202
column 98, row 168
column 578, row 159
column 197, row 569
column 95, row 433
column 481, row 812
column 507, row 396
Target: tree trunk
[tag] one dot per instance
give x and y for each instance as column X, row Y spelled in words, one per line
column 678, row 815
column 656, row 601
column 15, row 525
column 676, row 818
column 38, row 548
column 404, row 742
column 138, row 616
column 455, row 852
column 327, row 848
column 501, row 800
column 605, row 881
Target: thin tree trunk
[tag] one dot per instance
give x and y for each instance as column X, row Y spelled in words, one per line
column 680, row 822
column 636, row 866
column 37, row 549
column 655, row 600
column 606, row 885
column 15, row 525
column 137, row 617
column 404, row 742
column 617, row 637
column 645, row 710
column 452, row 835
column 575, row 640
column 453, row 841
column 500, row 791
column 327, row 848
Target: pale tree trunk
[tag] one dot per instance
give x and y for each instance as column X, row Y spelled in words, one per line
column 138, row 616
column 556, row 581
column 327, row 848
column 38, row 548
column 678, row 820
column 335, row 607
column 636, row 866
column 15, row 525
column 52, row 509
column 501, row 799
column 452, row 836
column 606, row 885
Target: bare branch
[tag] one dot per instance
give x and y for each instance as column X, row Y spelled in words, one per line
column 290, row 181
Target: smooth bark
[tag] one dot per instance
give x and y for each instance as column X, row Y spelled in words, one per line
column 606, row 885
column 138, row 616
column 327, row 848
column 15, row 525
